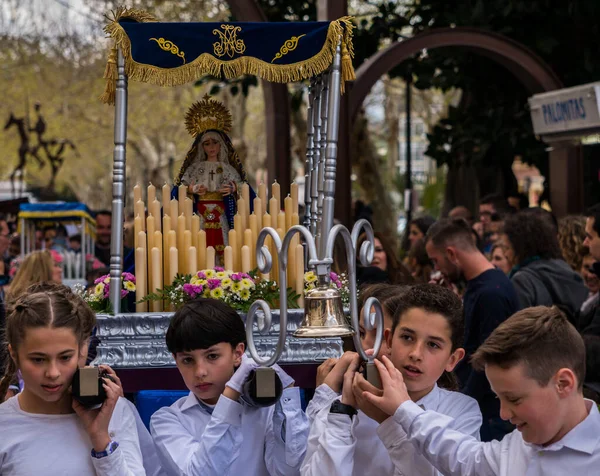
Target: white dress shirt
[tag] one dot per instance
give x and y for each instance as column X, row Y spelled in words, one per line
column 152, row 464
column 236, row 439
column 454, row 453
column 33, row 444
column 338, row 445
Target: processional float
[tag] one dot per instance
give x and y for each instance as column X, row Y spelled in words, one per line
column 170, row 54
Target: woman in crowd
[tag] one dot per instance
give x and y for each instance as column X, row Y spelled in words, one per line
column 417, row 228
column 419, row 263
column 571, row 233
column 37, row 267
column 540, row 274
column 498, row 258
column 386, row 260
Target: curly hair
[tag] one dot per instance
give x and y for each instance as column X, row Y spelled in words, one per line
column 571, row 233
column 530, row 235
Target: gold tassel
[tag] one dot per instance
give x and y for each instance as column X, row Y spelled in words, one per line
column 347, row 52
column 110, row 74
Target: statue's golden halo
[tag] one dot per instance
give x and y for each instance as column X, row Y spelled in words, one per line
column 207, row 114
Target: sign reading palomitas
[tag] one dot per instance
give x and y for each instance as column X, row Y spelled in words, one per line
column 566, row 114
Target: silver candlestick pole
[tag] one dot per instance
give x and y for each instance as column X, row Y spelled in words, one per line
column 264, row 261
column 324, row 315
column 118, row 202
column 308, row 164
column 316, row 159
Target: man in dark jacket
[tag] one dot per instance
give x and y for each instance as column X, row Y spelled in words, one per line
column 592, row 241
column 489, row 300
column 540, row 276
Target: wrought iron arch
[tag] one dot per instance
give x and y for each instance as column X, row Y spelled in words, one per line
column 565, row 160
column 529, row 68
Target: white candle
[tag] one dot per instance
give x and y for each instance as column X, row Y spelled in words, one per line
column 137, row 193
column 181, row 196
column 151, row 193
column 201, row 250
column 140, row 278
column 156, row 278
column 173, row 208
column 228, row 257
column 173, row 264
column 192, row 260
column 246, row 259
column 166, row 197
column 210, row 257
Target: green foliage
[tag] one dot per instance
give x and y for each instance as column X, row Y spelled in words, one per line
column 492, row 123
column 433, row 194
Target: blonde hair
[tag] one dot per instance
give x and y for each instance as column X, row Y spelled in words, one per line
column 35, row 268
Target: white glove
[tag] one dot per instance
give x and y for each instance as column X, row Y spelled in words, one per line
column 241, row 374
column 286, row 380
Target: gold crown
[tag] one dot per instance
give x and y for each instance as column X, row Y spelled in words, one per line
column 207, row 114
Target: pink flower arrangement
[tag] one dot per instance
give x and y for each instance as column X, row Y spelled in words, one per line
column 102, row 285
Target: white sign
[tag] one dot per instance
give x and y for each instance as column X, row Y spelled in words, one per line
column 575, row 111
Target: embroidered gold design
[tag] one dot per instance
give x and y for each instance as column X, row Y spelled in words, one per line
column 289, row 45
column 168, row 45
column 211, row 197
column 229, row 44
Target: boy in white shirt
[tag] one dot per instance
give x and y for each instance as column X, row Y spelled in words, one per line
column 535, row 363
column 211, row 431
column 424, row 341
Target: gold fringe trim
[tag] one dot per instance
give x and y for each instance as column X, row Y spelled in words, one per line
column 115, row 31
column 208, row 64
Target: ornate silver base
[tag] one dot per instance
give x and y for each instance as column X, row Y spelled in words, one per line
column 137, row 340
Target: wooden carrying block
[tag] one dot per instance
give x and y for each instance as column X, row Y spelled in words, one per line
column 87, row 386
column 371, row 374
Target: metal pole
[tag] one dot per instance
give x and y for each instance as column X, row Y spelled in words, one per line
column 321, row 234
column 409, row 185
column 118, row 202
column 24, row 226
column 333, row 110
column 314, row 193
column 308, row 164
column 83, row 251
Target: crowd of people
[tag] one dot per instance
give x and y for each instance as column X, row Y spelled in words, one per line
column 490, row 365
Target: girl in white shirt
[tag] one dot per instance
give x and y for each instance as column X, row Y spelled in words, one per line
column 46, row 431
column 424, row 341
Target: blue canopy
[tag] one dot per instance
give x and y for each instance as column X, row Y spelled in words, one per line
column 63, row 212
column 171, row 54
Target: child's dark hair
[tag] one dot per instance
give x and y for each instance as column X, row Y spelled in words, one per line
column 539, row 337
column 436, row 299
column 56, row 307
column 202, row 323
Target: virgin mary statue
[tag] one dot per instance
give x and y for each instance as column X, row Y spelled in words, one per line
column 212, row 171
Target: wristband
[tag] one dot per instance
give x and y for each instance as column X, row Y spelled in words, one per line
column 343, row 409
column 110, row 449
